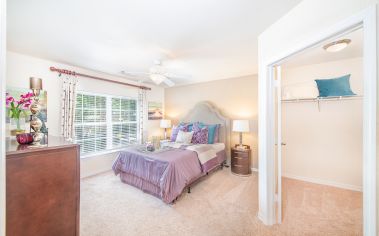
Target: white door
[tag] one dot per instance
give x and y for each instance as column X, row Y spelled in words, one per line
column 279, row 143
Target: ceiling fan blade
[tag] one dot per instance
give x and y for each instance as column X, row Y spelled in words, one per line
column 180, row 77
column 169, row 82
column 134, row 73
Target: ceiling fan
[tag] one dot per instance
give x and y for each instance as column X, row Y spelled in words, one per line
column 157, row 73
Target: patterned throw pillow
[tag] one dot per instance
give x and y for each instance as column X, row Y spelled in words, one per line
column 212, row 129
column 184, row 137
column 200, row 135
column 175, row 131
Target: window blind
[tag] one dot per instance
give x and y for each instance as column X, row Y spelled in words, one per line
column 124, row 122
column 104, row 122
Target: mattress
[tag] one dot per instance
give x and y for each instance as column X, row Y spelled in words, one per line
column 218, row 146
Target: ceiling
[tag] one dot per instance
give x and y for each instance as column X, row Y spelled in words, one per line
column 318, row 55
column 198, row 40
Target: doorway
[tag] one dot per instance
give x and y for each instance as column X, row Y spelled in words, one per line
column 270, row 196
column 319, row 159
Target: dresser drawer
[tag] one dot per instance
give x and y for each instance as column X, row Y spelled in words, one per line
column 240, row 169
column 237, row 153
column 240, row 160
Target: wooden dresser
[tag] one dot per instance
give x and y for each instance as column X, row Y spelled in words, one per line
column 43, row 187
column 240, row 161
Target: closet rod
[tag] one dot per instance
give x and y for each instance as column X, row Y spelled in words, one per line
column 322, row 99
column 73, row 73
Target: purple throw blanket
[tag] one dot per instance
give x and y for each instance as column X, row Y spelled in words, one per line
column 164, row 174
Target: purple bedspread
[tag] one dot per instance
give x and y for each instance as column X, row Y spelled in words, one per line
column 170, row 171
column 164, row 174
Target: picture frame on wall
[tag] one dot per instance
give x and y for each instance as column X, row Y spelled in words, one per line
column 155, row 111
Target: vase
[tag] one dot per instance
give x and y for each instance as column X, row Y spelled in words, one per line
column 25, row 138
column 17, row 126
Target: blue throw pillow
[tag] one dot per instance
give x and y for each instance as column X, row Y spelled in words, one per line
column 334, row 87
column 189, row 125
column 211, row 132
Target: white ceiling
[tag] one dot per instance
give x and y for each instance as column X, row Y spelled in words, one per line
column 318, row 55
column 200, row 40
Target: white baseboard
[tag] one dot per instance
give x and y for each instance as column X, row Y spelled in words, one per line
column 324, row 182
column 96, row 164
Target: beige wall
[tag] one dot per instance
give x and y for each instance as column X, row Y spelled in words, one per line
column 20, row 67
column 309, row 17
column 236, row 98
column 324, row 146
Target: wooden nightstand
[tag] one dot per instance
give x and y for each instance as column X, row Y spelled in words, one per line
column 240, row 160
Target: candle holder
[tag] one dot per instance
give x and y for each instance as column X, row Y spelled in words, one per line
column 35, row 122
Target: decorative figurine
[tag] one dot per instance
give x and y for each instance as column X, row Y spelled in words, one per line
column 35, row 122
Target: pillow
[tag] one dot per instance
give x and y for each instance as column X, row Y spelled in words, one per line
column 217, row 134
column 334, row 87
column 200, row 135
column 175, row 131
column 184, row 137
column 189, row 125
column 211, row 131
column 300, row 90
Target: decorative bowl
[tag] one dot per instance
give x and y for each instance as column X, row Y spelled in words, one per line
column 25, row 138
column 150, row 147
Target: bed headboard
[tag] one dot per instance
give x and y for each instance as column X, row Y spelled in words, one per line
column 208, row 114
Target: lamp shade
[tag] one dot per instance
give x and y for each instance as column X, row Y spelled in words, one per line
column 241, row 126
column 165, row 124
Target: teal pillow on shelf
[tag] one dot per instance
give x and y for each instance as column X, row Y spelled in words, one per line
column 335, row 87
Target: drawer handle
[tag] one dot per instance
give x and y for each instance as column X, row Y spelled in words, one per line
column 238, row 165
column 239, row 152
column 239, row 158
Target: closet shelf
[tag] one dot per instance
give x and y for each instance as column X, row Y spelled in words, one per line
column 340, row 98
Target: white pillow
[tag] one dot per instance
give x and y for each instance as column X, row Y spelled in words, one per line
column 184, row 137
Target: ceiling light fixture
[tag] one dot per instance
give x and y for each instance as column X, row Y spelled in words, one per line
column 337, row 45
column 157, row 78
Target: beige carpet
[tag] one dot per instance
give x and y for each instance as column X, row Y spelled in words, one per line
column 221, row 204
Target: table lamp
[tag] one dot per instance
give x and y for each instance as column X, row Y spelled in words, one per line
column 165, row 124
column 241, row 126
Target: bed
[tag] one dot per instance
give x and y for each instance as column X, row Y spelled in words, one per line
column 166, row 174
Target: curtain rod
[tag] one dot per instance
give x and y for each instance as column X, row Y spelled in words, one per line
column 73, row 73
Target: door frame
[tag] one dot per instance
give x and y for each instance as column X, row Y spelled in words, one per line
column 267, row 199
column 3, row 38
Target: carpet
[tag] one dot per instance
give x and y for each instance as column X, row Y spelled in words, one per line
column 220, row 204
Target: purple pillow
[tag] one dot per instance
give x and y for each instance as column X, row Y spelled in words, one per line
column 175, row 131
column 200, row 135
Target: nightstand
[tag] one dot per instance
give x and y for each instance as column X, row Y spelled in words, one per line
column 240, row 161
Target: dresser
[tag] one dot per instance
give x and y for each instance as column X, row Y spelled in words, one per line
column 43, row 188
column 240, row 161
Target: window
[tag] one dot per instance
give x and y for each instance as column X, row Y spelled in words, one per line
column 124, row 122
column 104, row 122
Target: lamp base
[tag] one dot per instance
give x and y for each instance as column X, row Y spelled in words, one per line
column 240, row 146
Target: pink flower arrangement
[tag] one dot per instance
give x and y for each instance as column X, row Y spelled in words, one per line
column 18, row 107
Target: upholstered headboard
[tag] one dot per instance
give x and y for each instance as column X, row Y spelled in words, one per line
column 208, row 114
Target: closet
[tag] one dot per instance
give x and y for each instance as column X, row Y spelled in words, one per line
column 321, row 136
